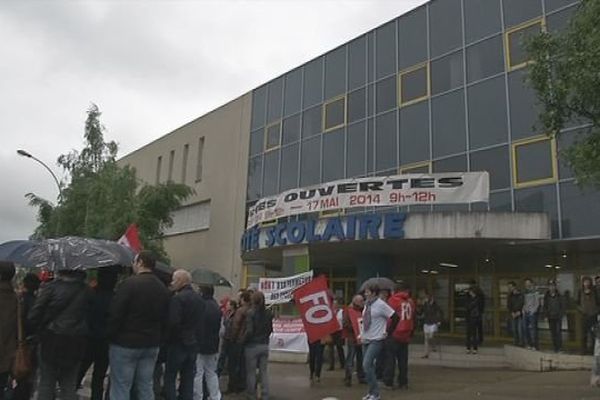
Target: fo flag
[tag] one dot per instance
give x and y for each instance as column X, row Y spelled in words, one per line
column 131, row 239
column 316, row 309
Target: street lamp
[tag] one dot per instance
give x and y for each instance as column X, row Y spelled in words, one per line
column 28, row 155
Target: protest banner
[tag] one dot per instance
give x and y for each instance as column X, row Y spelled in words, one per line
column 288, row 336
column 316, row 309
column 279, row 290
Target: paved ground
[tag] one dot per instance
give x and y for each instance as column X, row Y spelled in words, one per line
column 290, row 382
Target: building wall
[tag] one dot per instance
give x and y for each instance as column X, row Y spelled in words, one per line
column 221, row 186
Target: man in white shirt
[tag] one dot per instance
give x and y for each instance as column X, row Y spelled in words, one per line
column 375, row 316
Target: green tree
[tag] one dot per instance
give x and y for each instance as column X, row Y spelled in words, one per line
column 101, row 198
column 565, row 74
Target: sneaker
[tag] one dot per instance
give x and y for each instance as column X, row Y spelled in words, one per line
column 367, row 396
column 375, row 397
column 474, row 352
column 468, row 351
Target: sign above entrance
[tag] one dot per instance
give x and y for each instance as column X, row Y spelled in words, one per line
column 397, row 190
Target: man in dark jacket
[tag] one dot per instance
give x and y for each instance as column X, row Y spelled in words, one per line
column 237, row 376
column 185, row 316
column 554, row 308
column 207, row 336
column 59, row 315
column 135, row 326
column 8, row 322
column 514, row 304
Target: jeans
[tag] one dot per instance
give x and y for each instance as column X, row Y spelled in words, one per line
column 588, row 323
column 381, row 358
column 354, row 350
column 530, row 329
column 336, row 345
column 130, row 367
column 398, row 353
column 257, row 356
column 555, row 325
column 472, row 338
column 372, row 351
column 315, row 358
column 65, row 376
column 516, row 330
column 206, row 367
column 97, row 354
column 180, row 360
column 235, row 361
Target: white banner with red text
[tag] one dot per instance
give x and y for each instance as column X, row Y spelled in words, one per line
column 397, row 190
column 279, row 290
column 288, row 336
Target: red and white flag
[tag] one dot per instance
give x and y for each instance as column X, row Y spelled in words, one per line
column 131, row 239
column 314, row 301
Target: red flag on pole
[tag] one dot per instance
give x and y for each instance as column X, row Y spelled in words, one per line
column 314, row 301
column 131, row 239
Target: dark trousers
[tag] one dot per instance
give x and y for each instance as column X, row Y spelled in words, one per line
column 479, row 328
column 236, row 368
column 66, row 376
column 180, row 360
column 587, row 335
column 555, row 325
column 97, row 354
column 381, row 360
column 3, row 384
column 397, row 354
column 222, row 362
column 472, row 338
column 354, row 352
column 337, row 344
column 315, row 358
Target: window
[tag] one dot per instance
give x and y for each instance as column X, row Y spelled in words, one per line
column 333, row 155
column 423, row 167
column 158, row 168
column 445, row 26
column 313, row 82
column 495, row 161
column 200, row 159
column 451, row 164
column 355, row 150
column 515, row 42
column 386, row 147
column 539, row 199
column 385, row 94
column 412, row 38
column 482, row 18
column 171, row 162
column 357, row 67
column 448, row 131
column 334, row 114
column 254, row 189
column 310, row 161
column 534, row 162
column 290, row 130
column 357, row 103
column 275, row 101
column 485, row 59
column 488, row 124
column 335, row 72
column 189, row 219
column 259, row 99
column 385, row 44
column 186, row 150
column 311, row 122
column 518, row 11
column 523, row 105
column 414, row 84
column 414, row 133
column 271, row 173
column 289, row 167
column 257, row 142
column 273, row 136
column 293, row 87
column 573, row 200
column 447, row 73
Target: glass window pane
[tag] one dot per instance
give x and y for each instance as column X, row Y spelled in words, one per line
column 539, row 199
column 451, row 164
column 310, row 163
column 311, row 122
column 445, row 26
column 412, row 38
column 289, row 167
column 370, row 145
column 518, row 11
column 385, row 141
column 499, row 201
column 414, row 133
column 256, row 142
column 313, row 82
column 385, row 39
column 559, row 21
column 333, row 155
column 523, row 106
column 534, row 161
column 413, row 85
column 356, row 150
column 370, row 100
column 357, row 105
column 448, row 124
column 335, row 72
column 488, row 123
column 273, row 136
column 386, row 94
column 291, row 129
column 485, row 59
column 564, row 141
column 275, row 103
column 370, row 57
column 293, row 91
column 496, row 162
column 418, row 169
column 259, row 99
column 271, row 174
column 517, row 41
column 482, row 18
column 579, row 207
column 552, row 5
column 254, row 178
column 335, row 113
column 357, row 65
column 447, row 73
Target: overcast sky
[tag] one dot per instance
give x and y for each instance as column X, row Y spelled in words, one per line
column 151, row 66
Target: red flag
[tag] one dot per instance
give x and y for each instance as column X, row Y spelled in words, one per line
column 357, row 322
column 316, row 309
column 131, row 239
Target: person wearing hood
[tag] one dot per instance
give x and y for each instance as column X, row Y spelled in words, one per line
column 514, row 304
column 432, row 319
column 554, row 309
column 531, row 306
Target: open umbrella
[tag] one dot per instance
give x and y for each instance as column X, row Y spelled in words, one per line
column 383, row 283
column 70, row 252
column 203, row 276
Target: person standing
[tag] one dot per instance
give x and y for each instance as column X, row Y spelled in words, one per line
column 237, row 377
column 514, row 303
column 207, row 336
column 473, row 318
column 432, row 319
column 259, row 326
column 531, row 306
column 185, row 316
column 375, row 316
column 8, row 323
column 227, row 328
column 337, row 340
column 136, row 322
column 59, row 315
column 554, row 309
column 315, row 360
column 587, row 303
column 481, row 297
column 353, row 346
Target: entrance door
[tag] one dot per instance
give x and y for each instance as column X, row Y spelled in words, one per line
column 343, row 288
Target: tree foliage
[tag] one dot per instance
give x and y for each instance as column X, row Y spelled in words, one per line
column 565, row 73
column 101, row 198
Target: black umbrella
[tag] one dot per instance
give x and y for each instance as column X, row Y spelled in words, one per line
column 381, row 282
column 203, row 276
column 72, row 253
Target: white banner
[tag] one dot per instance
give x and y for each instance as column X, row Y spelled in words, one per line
column 397, row 190
column 289, row 336
column 279, row 290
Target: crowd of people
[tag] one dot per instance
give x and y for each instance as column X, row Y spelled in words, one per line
column 151, row 338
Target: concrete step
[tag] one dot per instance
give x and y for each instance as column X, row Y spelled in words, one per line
column 457, row 357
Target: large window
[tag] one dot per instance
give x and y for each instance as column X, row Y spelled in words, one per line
column 186, row 150
column 200, row 160
column 171, row 163
column 311, row 122
column 515, row 41
column 189, row 219
column 534, row 161
column 273, row 136
column 414, row 84
column 414, row 133
column 158, row 169
column 485, row 59
column 495, row 161
column 482, row 18
column 271, row 174
column 447, row 73
column 334, row 114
